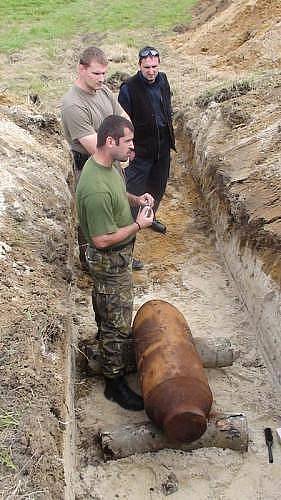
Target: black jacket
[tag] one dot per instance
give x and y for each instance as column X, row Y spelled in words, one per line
column 142, row 114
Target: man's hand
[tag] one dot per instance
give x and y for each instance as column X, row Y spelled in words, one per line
column 145, row 217
column 146, row 199
column 140, row 201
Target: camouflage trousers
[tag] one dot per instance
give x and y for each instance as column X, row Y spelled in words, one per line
column 113, row 304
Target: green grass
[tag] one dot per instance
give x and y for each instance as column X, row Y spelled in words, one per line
column 7, row 420
column 29, row 22
column 6, row 459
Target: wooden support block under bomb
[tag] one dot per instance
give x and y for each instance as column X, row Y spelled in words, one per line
column 214, row 353
column 223, row 431
column 175, row 389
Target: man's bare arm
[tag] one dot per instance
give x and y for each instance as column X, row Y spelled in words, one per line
column 133, row 200
column 89, row 142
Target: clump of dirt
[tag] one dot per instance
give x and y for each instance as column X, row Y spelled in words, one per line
column 235, row 90
column 116, row 79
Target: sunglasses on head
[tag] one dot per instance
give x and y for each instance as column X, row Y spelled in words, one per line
column 148, row 52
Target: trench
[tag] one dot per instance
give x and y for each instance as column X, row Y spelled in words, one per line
column 184, row 267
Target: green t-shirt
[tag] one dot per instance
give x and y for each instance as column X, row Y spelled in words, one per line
column 102, row 202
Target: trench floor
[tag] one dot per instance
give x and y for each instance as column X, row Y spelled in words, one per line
column 184, row 268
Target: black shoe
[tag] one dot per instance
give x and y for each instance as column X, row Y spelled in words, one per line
column 137, row 265
column 158, row 227
column 117, row 389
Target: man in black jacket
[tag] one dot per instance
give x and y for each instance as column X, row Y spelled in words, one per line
column 146, row 98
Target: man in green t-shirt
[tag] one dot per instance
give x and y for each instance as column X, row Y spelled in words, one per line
column 103, row 207
column 88, row 102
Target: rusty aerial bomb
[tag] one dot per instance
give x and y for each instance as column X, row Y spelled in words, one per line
column 175, row 389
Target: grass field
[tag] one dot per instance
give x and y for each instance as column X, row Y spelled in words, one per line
column 26, row 22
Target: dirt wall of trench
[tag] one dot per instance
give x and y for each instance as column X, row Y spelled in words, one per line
column 233, row 151
column 36, row 247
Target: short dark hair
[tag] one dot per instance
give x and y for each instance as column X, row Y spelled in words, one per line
column 148, row 51
column 93, row 54
column 112, row 126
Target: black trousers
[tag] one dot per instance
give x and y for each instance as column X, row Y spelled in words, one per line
column 149, row 175
column 79, row 160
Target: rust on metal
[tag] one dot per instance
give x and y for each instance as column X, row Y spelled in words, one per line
column 176, row 393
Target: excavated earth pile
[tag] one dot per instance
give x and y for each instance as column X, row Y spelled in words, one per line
column 245, row 34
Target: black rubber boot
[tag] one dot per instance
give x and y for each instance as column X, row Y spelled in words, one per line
column 117, row 389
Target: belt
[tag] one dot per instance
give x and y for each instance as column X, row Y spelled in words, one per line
column 117, row 248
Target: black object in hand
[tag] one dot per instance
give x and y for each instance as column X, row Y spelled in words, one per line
column 158, row 227
column 269, row 442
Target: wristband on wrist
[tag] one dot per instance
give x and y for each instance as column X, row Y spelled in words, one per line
column 138, row 225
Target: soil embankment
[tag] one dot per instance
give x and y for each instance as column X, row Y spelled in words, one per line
column 231, row 140
column 36, row 233
column 233, row 151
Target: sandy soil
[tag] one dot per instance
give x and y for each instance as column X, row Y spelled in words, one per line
column 45, row 299
column 185, row 269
